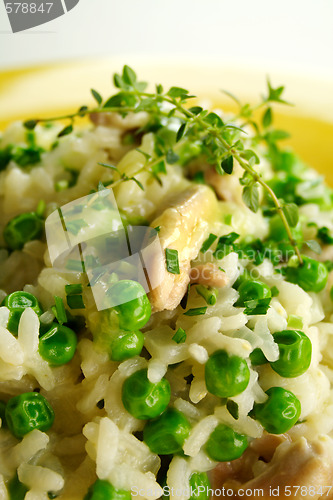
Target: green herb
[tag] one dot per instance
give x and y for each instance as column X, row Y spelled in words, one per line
column 208, row 293
column 172, row 263
column 228, row 219
column 225, row 245
column 257, row 306
column 232, row 408
column 74, row 226
column 324, row 235
column 295, row 322
column 5, row 157
column 197, row 311
column 313, row 245
column 96, row 95
column 75, row 265
column 73, row 289
column 274, row 291
column 180, row 336
column 66, row 130
column 75, row 301
column 40, row 208
column 25, row 157
column 219, row 143
column 208, row 243
column 59, row 310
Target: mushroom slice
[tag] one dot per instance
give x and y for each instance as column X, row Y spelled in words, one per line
column 183, row 227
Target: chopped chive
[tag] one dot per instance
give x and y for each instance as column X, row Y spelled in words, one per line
column 183, row 302
column 172, row 263
column 295, row 322
column 208, row 293
column 100, row 404
column 197, row 311
column 208, row 242
column 74, row 265
column 232, row 408
column 274, row 291
column 227, row 219
column 157, row 229
column 59, row 310
column 75, row 301
column 180, row 336
column 225, row 245
column 40, row 208
column 74, row 226
column 257, row 306
column 73, row 289
column 61, row 185
column 331, row 293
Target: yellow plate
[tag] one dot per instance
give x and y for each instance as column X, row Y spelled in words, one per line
column 53, row 89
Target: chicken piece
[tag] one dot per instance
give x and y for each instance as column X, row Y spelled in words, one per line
column 208, row 274
column 184, row 225
column 129, row 122
column 226, row 187
column 293, row 465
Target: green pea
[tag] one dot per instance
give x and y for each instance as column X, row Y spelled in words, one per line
column 133, row 307
column 166, row 434
column 200, row 485
column 27, row 412
column 126, row 345
column 295, row 353
column 257, row 357
column 279, row 412
column 226, row 375
column 2, row 414
column 252, row 290
column 104, row 490
column 142, row 398
column 21, row 229
column 224, row 444
column 311, row 275
column 58, row 345
column 16, row 489
column 17, row 302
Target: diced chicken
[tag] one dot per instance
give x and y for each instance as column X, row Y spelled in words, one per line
column 184, row 225
column 226, row 187
column 208, row 274
column 293, row 465
column 129, row 122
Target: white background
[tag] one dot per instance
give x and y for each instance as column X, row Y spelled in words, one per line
column 295, row 35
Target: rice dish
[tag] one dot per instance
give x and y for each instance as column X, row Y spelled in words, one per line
column 169, row 324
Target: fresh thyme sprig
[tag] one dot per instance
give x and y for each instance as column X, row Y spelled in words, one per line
column 220, row 143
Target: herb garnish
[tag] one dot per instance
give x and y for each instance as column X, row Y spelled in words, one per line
column 220, row 142
column 172, row 262
column 180, row 336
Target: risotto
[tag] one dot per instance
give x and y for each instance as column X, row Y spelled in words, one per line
column 166, row 292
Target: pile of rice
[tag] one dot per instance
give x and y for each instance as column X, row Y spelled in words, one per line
column 87, row 442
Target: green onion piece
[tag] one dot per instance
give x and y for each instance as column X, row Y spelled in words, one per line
column 225, row 245
column 59, row 310
column 74, row 226
column 40, row 208
column 197, row 311
column 208, row 242
column 180, row 336
column 75, row 301
column 75, row 265
column 331, row 294
column 295, row 322
column 73, row 289
column 208, row 293
column 227, row 219
column 274, row 291
column 172, row 263
column 232, row 408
